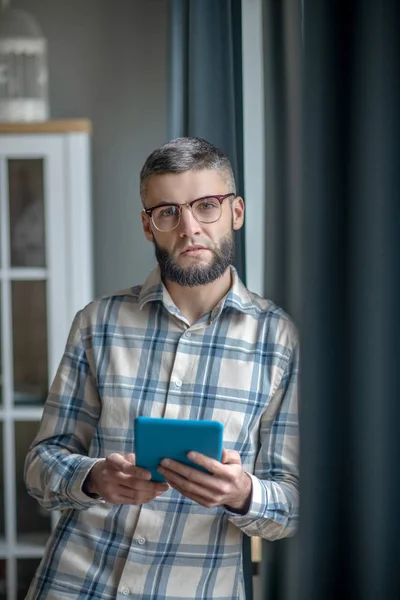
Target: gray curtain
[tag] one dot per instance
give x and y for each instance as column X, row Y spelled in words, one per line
column 282, row 26
column 205, row 93
column 350, row 526
column 333, row 261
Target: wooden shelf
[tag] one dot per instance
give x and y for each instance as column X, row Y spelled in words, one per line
column 56, row 126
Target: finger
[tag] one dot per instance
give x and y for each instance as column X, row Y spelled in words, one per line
column 208, row 502
column 185, row 470
column 136, row 472
column 117, row 462
column 190, row 487
column 212, row 465
column 131, row 458
column 186, row 473
column 230, row 457
column 126, row 463
column 126, row 495
column 149, row 487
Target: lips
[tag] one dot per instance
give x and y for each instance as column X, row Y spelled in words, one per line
column 189, row 249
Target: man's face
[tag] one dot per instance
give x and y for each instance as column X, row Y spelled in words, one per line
column 193, row 253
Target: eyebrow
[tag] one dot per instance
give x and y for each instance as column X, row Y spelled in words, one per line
column 182, row 203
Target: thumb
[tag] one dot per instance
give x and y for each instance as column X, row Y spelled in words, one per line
column 230, row 457
column 131, row 458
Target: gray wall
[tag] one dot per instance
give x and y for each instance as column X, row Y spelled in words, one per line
column 108, row 62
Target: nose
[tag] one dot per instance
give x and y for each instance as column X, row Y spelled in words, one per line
column 188, row 225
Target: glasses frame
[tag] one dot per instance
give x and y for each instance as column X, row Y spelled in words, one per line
column 219, row 197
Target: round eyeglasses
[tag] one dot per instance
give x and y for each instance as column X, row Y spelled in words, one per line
column 166, row 217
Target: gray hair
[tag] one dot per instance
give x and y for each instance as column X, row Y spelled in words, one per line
column 185, row 154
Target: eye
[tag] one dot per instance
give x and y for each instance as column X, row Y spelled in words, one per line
column 207, row 204
column 168, row 211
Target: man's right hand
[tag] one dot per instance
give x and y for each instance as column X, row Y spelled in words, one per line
column 119, row 481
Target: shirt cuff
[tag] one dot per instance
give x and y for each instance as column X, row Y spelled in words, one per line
column 234, row 513
column 257, row 504
column 75, row 486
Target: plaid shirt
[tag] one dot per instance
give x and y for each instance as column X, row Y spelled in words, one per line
column 134, row 353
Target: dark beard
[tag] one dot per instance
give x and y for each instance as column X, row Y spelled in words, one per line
column 197, row 274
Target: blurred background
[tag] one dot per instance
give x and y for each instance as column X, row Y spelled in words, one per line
column 303, row 96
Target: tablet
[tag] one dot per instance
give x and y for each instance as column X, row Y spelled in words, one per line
column 156, row 439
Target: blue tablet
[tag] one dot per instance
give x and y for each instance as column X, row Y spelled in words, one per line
column 156, row 439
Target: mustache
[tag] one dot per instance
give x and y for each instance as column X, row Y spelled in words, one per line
column 185, row 246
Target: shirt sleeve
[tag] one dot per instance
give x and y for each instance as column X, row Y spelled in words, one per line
column 274, row 506
column 57, row 463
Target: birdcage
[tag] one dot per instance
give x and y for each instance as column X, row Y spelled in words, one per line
column 23, row 68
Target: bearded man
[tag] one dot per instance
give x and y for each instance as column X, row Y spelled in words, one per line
column 192, row 342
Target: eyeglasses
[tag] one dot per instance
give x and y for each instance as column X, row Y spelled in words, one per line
column 166, row 217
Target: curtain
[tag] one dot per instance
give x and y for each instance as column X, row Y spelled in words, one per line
column 205, row 93
column 350, row 528
column 333, row 261
column 282, row 28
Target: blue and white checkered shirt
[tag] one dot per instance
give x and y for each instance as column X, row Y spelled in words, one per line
column 134, row 353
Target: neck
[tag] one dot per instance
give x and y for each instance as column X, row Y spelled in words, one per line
column 199, row 300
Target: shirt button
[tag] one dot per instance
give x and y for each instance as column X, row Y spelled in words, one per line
column 125, row 591
column 188, row 334
column 141, row 541
column 178, row 383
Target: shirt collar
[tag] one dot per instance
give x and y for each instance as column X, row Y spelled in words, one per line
column 238, row 297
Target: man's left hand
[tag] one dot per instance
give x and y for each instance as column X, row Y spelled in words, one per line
column 227, row 485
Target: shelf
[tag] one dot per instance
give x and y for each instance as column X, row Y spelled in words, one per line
column 44, row 191
column 55, row 126
column 27, row 546
column 31, row 545
column 22, row 413
column 24, row 274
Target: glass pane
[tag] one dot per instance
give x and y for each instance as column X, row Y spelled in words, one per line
column 3, row 581
column 2, row 489
column 26, row 568
column 33, row 521
column 26, row 193
column 30, row 341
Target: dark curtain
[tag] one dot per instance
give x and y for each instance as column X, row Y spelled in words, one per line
column 205, row 98
column 333, row 261
column 350, row 527
column 282, row 26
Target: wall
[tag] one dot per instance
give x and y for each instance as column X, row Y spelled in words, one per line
column 108, row 62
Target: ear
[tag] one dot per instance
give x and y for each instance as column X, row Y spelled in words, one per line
column 238, row 212
column 146, row 224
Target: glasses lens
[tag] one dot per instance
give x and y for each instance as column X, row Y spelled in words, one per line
column 207, row 210
column 165, row 218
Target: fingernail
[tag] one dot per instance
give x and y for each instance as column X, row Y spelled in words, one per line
column 165, row 462
column 192, row 455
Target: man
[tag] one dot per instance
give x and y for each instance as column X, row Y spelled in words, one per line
column 192, row 342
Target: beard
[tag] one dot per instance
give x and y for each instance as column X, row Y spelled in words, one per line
column 197, row 274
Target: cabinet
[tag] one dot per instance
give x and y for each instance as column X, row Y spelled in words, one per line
column 45, row 277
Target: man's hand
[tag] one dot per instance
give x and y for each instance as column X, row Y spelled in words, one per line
column 228, row 485
column 119, row 481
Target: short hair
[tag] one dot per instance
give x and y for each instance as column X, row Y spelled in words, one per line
column 186, row 154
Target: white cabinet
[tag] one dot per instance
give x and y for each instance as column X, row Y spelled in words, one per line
column 45, row 277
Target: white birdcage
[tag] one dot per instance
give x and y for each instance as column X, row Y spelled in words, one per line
column 23, row 68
